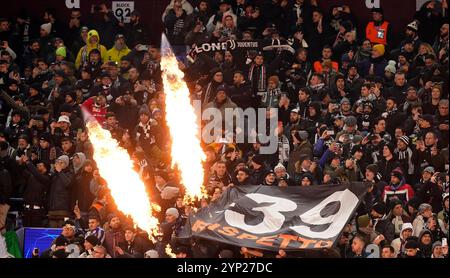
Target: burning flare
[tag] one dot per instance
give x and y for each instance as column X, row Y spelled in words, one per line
column 186, row 152
column 169, row 252
column 116, row 167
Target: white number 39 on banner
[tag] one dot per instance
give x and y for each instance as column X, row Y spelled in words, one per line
column 274, row 219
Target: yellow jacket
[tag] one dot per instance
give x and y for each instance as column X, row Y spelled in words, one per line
column 83, row 54
column 115, row 55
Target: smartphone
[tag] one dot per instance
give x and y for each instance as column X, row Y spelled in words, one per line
column 330, row 131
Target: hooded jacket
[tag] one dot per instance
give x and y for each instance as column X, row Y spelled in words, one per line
column 399, row 243
column 426, row 249
column 115, row 54
column 83, row 53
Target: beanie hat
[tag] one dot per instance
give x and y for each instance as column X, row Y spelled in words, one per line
column 302, row 135
column 347, row 25
column 344, row 100
column 411, row 244
column 61, row 51
column 47, row 27
column 405, row 139
column 172, row 211
column 391, row 67
column 92, row 239
column 393, row 202
column 222, row 88
column 363, row 221
column 397, row 173
column 357, row 148
column 413, row 26
column 380, row 208
column 436, row 244
column 65, row 159
column 279, row 166
column 350, row 121
column 377, row 10
column 36, row 86
column 379, row 48
column 391, row 148
column 258, row 159
column 429, row 169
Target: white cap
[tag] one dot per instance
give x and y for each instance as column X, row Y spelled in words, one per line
column 64, row 119
column 172, row 211
column 47, row 27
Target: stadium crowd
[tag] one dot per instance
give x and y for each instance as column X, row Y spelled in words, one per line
column 355, row 101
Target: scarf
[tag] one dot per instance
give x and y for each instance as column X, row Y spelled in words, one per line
column 85, row 53
column 146, row 129
column 270, row 97
column 283, row 149
column 261, row 79
column 406, row 156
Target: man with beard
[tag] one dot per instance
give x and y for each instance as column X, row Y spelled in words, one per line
column 376, row 64
column 381, row 224
column 241, row 92
column 429, row 152
column 114, row 235
column 59, row 194
column 388, row 163
column 135, row 31
column 441, row 45
column 393, row 116
column 133, row 246
column 46, row 151
column 397, row 188
column 220, row 177
column 209, row 90
column 442, row 121
column 378, row 31
column 259, row 169
column 411, row 99
column 405, row 157
column 119, row 49
column 243, row 176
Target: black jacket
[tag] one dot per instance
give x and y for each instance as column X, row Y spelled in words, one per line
column 36, row 185
column 385, row 168
column 60, row 189
column 5, row 186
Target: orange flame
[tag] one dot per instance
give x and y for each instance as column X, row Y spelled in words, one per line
column 186, row 151
column 116, row 167
column 169, row 252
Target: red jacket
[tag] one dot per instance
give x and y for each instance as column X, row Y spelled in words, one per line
column 404, row 192
column 99, row 112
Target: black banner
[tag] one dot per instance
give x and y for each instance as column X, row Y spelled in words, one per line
column 270, row 218
column 234, row 45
